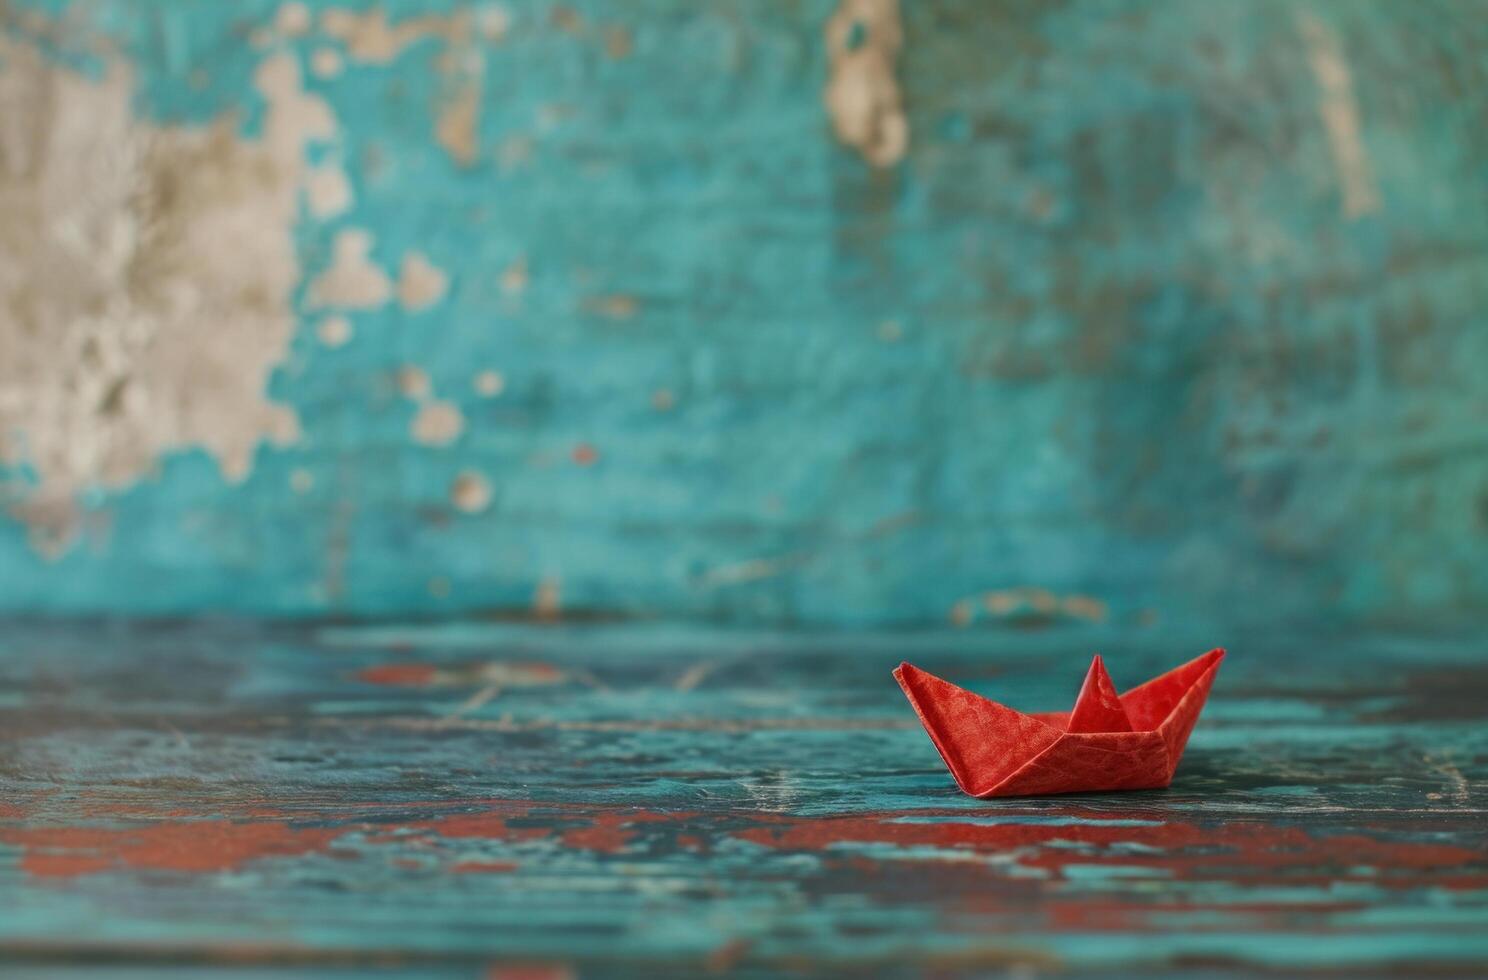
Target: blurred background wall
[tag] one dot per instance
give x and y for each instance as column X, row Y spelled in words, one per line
column 826, row 312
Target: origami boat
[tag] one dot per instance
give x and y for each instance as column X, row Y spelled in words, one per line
column 1107, row 742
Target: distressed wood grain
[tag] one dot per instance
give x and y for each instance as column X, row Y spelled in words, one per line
column 458, row 799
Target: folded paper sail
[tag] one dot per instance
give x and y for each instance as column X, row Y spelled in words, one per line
column 1109, row 741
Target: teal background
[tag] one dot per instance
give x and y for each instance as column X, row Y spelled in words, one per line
column 1108, row 343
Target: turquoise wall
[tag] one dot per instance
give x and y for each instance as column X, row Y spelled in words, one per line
column 1165, row 312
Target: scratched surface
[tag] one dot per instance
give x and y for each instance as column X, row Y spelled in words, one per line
column 453, row 799
column 823, row 312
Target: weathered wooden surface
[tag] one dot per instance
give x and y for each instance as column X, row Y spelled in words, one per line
column 1166, row 308
column 452, row 800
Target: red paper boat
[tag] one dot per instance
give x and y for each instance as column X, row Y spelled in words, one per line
column 1108, row 742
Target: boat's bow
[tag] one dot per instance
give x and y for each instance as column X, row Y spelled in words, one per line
column 1179, row 721
column 981, row 741
column 1151, row 704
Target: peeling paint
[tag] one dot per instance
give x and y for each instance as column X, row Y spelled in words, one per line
column 327, row 191
column 438, row 423
column 718, row 781
column 752, row 569
column 457, row 122
column 334, row 331
column 413, row 382
column 493, row 21
column 1339, row 110
column 421, row 284
column 547, row 601
column 489, row 384
column 292, row 19
column 194, row 848
column 862, row 94
column 353, row 281
column 470, row 492
column 326, row 63
column 52, row 521
column 371, row 38
column 1112, row 283
column 119, row 240
column 1029, row 602
column 456, row 125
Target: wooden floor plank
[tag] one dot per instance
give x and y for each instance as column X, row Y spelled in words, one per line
column 461, row 799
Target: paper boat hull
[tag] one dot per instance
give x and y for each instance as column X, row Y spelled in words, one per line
column 993, row 750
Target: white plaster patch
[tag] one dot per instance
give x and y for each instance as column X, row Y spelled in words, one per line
column 547, row 600
column 353, row 281
column 493, row 21
column 455, row 127
column 862, row 94
column 470, row 492
column 146, row 273
column 1339, row 110
column 489, row 384
column 326, row 63
column 292, row 19
column 421, row 284
column 295, row 117
column 438, row 423
column 327, row 191
column 371, row 38
column 334, row 331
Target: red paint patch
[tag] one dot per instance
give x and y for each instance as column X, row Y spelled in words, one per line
column 608, row 833
column 1240, row 853
column 604, row 832
column 814, row 834
column 484, row 867
column 529, row 971
column 405, row 675
column 1270, row 854
column 194, row 847
column 483, row 826
column 585, row 454
column 64, row 865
